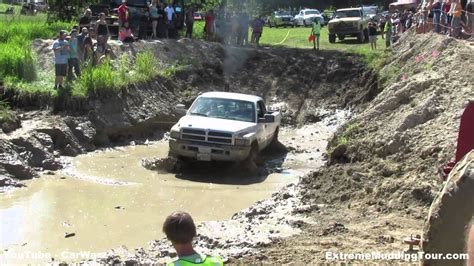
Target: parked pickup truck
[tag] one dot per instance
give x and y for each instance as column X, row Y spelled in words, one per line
column 222, row 126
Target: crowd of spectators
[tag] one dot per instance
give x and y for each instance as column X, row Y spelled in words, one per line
column 451, row 17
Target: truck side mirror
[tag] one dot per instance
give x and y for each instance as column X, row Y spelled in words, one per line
column 181, row 109
column 267, row 119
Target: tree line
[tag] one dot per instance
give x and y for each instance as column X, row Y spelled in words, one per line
column 68, row 9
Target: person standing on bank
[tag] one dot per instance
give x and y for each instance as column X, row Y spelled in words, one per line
column 61, row 56
column 316, row 31
column 73, row 61
column 101, row 27
column 180, row 230
column 189, row 22
column 171, row 18
column 154, row 17
column 373, row 35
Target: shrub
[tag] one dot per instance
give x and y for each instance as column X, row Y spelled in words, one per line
column 96, row 78
column 5, row 112
column 17, row 59
column 145, row 65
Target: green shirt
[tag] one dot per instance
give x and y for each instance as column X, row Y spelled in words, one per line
column 197, row 259
column 388, row 27
column 316, row 28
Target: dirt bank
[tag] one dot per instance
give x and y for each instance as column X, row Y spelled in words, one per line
column 68, row 126
column 382, row 175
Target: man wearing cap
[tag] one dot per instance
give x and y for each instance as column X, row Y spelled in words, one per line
column 85, row 21
column 61, row 56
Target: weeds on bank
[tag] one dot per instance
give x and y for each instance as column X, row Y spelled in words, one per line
column 107, row 77
column 347, row 135
column 5, row 113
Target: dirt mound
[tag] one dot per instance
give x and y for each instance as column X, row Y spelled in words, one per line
column 382, row 173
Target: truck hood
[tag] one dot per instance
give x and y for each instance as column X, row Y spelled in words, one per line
column 218, row 124
column 337, row 20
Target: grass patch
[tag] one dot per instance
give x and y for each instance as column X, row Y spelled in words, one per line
column 348, row 134
column 5, row 113
column 145, row 65
column 107, row 77
column 298, row 38
column 17, row 59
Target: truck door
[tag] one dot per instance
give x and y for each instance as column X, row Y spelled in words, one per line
column 267, row 127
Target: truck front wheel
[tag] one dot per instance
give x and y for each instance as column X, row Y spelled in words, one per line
column 275, row 137
column 253, row 159
column 332, row 38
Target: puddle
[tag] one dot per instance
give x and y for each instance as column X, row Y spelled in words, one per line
column 108, row 199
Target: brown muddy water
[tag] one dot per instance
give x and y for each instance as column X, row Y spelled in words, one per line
column 107, row 199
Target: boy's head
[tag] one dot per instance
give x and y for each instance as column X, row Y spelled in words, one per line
column 62, row 34
column 179, row 228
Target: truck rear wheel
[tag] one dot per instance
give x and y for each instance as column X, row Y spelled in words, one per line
column 332, row 38
column 366, row 35
column 360, row 37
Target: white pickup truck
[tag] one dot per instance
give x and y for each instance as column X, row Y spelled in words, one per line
column 223, row 126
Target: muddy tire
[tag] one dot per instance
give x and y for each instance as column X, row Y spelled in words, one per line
column 275, row 137
column 366, row 35
column 341, row 37
column 253, row 159
column 360, row 37
column 332, row 38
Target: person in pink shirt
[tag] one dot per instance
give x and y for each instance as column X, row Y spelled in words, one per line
column 125, row 34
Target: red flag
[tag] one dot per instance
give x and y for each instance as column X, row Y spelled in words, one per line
column 311, row 38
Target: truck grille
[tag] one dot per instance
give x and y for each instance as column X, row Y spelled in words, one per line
column 345, row 27
column 210, row 136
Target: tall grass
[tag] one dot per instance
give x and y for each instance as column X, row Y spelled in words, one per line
column 5, row 113
column 145, row 65
column 17, row 59
column 107, row 77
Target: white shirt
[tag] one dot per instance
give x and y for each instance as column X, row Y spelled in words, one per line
column 169, row 11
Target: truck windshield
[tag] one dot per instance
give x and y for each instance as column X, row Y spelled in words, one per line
column 224, row 108
column 312, row 12
column 347, row 14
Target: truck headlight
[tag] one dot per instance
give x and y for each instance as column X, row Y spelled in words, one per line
column 175, row 134
column 242, row 142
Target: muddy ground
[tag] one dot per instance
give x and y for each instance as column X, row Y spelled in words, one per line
column 381, row 172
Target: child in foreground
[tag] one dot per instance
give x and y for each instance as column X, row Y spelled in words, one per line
column 180, row 230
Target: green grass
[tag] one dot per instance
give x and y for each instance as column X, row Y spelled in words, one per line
column 347, row 135
column 17, row 59
column 110, row 77
column 5, row 113
column 298, row 38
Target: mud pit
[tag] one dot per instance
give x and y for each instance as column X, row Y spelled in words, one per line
column 107, row 199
